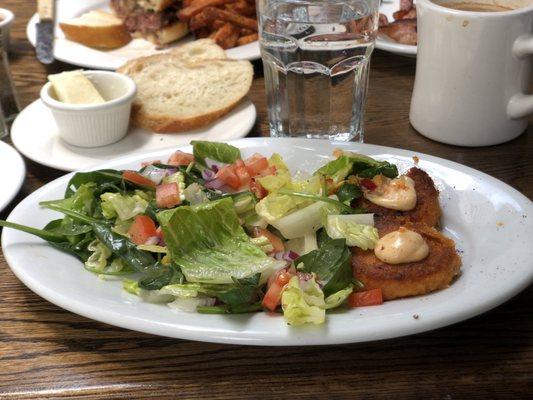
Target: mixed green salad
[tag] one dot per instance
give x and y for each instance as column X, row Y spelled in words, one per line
column 211, row 232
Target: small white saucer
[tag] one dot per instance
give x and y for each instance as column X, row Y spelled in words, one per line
column 12, row 172
column 35, row 134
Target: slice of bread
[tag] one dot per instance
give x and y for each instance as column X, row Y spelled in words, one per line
column 98, row 29
column 175, row 94
column 199, row 50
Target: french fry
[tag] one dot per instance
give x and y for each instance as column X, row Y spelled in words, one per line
column 236, row 19
column 198, row 21
column 227, row 36
column 197, row 6
column 247, row 39
column 217, row 24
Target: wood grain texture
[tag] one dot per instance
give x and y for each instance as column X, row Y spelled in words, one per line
column 46, row 352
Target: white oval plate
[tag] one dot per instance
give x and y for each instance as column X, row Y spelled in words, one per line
column 87, row 57
column 12, row 172
column 385, row 43
column 491, row 223
column 35, row 134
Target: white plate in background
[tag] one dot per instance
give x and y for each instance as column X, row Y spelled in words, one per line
column 12, row 172
column 78, row 54
column 383, row 42
column 35, row 134
column 491, row 223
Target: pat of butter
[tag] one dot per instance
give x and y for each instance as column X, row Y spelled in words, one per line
column 73, row 87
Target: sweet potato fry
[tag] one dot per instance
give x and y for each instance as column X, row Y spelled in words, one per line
column 227, row 36
column 243, row 22
column 247, row 39
column 198, row 21
column 188, row 12
column 241, row 7
column 202, row 33
column 246, row 32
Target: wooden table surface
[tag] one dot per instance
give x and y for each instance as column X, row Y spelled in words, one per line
column 46, row 352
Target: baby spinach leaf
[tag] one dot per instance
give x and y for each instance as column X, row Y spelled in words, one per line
column 221, row 152
column 96, row 177
column 331, row 263
column 162, row 275
column 349, row 192
column 243, row 293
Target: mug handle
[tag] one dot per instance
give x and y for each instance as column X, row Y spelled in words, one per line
column 521, row 105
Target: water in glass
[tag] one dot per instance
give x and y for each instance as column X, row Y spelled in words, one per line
column 316, row 58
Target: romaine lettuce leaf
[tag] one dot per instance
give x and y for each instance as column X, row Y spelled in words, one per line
column 221, row 152
column 356, row 234
column 275, row 182
column 303, row 303
column 210, row 246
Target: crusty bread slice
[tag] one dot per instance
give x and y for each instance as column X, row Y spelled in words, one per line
column 199, row 50
column 96, row 28
column 175, row 95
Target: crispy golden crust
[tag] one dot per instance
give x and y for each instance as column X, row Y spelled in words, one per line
column 427, row 208
column 435, row 272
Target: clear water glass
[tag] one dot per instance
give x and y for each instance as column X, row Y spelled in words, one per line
column 316, row 57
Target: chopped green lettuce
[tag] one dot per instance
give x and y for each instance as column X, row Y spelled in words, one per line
column 364, row 236
column 302, row 245
column 337, row 169
column 276, row 160
column 304, row 221
column 124, row 207
column 303, row 304
column 97, row 261
column 209, row 244
column 131, row 286
column 336, row 299
column 275, row 182
column 276, row 205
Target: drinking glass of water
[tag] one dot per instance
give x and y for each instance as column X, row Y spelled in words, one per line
column 316, row 56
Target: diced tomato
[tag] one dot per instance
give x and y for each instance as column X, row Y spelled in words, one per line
column 136, row 178
column 180, row 158
column 275, row 288
column 256, row 164
column 275, row 241
column 229, row 177
column 167, row 195
column 368, row 184
column 142, row 229
column 257, row 189
column 242, row 173
column 372, row 297
column 271, row 170
column 147, row 163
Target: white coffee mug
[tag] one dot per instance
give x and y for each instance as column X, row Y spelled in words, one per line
column 473, row 71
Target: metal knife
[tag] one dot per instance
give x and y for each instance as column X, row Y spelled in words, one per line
column 45, row 31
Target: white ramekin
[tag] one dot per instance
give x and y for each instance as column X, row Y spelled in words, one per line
column 94, row 125
column 6, row 19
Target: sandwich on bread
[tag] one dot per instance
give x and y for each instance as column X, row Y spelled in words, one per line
column 96, row 29
column 154, row 20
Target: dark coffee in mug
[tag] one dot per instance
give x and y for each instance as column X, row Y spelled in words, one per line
column 472, row 6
